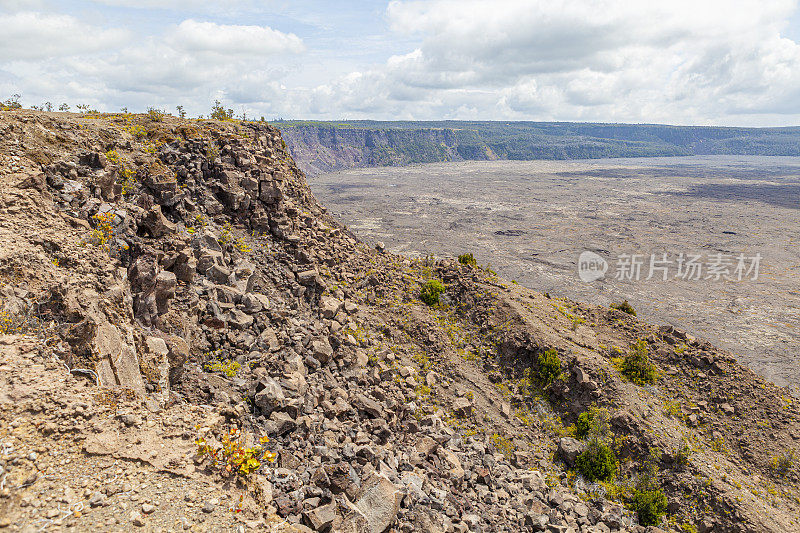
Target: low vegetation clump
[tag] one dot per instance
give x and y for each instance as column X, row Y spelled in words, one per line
column 137, row 130
column 549, row 369
column 229, row 367
column 233, row 458
column 430, row 292
column 7, row 325
column 683, row 453
column 625, row 307
column 112, row 156
column 782, row 464
column 636, row 365
column 226, row 237
column 128, row 181
column 503, row 444
column 467, row 259
column 199, row 224
column 103, row 230
column 212, row 152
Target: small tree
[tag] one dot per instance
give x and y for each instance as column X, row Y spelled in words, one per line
column 155, row 114
column 649, row 500
column 587, row 424
column 181, row 111
column 218, row 112
column 549, row 366
column 598, row 462
column 13, row 102
column 63, row 107
column 637, row 366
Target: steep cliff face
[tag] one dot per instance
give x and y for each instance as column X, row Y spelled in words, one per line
column 326, row 146
column 325, row 149
column 188, row 340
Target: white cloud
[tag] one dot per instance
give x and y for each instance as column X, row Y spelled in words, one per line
column 21, row 5
column 680, row 61
column 683, row 61
column 194, row 36
column 171, row 4
column 190, row 63
column 30, row 36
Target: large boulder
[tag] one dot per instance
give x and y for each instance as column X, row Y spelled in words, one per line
column 329, row 307
column 452, row 465
column 569, row 449
column 239, row 319
column 269, row 395
column 462, row 407
column 310, row 278
column 185, row 267
column 152, row 289
column 321, row 518
column 157, row 359
column 164, row 290
column 321, row 350
column 253, row 302
column 156, row 223
column 375, row 508
column 177, row 356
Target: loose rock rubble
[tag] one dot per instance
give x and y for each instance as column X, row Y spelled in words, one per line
column 171, row 281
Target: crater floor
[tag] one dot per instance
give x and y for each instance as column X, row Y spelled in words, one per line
column 532, row 220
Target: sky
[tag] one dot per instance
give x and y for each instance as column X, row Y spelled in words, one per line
column 709, row 62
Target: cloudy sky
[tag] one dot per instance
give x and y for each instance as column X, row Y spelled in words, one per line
column 726, row 62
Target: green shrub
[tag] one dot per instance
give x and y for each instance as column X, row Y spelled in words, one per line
column 583, row 424
column 625, row 307
column 549, row 366
column 430, row 292
column 650, row 506
column 637, row 367
column 467, row 259
column 598, row 462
